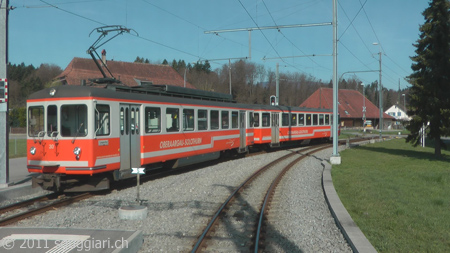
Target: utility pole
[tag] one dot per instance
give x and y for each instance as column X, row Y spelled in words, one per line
column 380, row 94
column 364, row 105
column 229, row 73
column 335, row 157
column 277, row 89
column 381, row 102
column 4, row 160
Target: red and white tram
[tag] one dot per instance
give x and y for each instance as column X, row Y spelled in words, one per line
column 82, row 137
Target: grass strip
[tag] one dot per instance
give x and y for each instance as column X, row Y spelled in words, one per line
column 399, row 195
column 17, row 148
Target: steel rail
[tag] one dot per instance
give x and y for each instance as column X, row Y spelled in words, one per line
column 27, row 202
column 201, row 240
column 271, row 191
column 42, row 209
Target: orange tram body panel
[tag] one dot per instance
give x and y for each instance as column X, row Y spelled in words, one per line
column 81, row 138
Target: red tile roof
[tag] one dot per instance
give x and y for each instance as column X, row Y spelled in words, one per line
column 127, row 72
column 350, row 103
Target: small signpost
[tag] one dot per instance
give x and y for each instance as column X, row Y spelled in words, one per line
column 138, row 172
column 134, row 212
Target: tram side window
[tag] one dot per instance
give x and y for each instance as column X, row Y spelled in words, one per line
column 214, row 120
column 122, row 121
column 327, row 119
column 301, row 119
column 137, row 125
column 52, row 120
column 127, row 121
column 250, row 119
column 266, row 119
column 308, row 119
column 256, row 119
column 73, row 120
column 202, row 119
column 225, row 120
column 188, row 119
column 102, row 124
column 315, row 122
column 285, row 119
column 35, row 120
column 321, row 120
column 133, row 121
column 294, row 119
column 172, row 119
column 152, row 120
column 234, row 119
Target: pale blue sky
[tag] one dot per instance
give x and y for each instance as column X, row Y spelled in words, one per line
column 55, row 31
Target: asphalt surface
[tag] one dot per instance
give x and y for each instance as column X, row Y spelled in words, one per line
column 18, row 173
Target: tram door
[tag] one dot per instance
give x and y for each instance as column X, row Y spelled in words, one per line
column 275, row 129
column 130, row 142
column 242, row 133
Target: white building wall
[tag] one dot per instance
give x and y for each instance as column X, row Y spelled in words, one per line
column 396, row 112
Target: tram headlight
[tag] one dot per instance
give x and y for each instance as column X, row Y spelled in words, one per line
column 77, row 152
column 32, row 150
column 52, row 92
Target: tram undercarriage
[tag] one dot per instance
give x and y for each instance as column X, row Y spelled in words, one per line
column 71, row 183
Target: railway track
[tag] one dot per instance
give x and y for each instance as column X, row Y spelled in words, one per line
column 30, row 207
column 238, row 214
column 35, row 206
column 224, row 233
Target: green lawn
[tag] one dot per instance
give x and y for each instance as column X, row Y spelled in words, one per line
column 17, row 148
column 398, row 195
column 350, row 133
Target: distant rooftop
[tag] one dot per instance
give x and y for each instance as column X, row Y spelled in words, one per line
column 350, row 103
column 129, row 73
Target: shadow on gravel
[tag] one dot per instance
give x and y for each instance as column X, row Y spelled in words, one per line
column 243, row 221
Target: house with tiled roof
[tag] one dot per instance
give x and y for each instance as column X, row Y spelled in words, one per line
column 81, row 71
column 350, row 107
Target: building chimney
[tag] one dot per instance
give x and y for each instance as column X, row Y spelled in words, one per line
column 104, row 57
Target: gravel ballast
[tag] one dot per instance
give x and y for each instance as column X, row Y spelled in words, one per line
column 180, row 205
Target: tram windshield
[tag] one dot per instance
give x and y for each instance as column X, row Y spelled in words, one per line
column 35, row 121
column 73, row 120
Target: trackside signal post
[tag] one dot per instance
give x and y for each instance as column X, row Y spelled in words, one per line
column 134, row 212
column 4, row 172
column 273, row 100
column 138, row 172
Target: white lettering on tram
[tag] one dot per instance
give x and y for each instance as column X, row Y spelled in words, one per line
column 180, row 143
column 298, row 132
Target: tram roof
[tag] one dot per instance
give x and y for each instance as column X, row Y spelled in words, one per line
column 140, row 94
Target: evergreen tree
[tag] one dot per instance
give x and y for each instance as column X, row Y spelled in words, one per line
column 181, row 64
column 430, row 91
column 139, row 59
column 206, row 67
column 175, row 65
